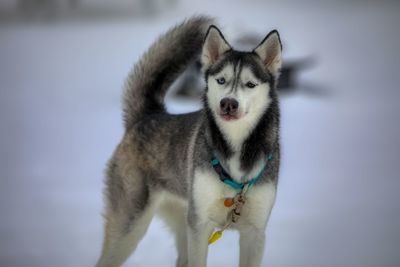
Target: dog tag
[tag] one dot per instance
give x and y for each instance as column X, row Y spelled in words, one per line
column 228, row 202
column 217, row 235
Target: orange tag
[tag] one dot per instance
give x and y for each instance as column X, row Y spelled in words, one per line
column 228, row 202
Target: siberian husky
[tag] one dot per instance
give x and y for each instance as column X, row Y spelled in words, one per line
column 205, row 171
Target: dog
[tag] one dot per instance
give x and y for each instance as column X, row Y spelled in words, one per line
column 201, row 172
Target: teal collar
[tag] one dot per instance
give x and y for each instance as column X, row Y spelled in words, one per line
column 227, row 179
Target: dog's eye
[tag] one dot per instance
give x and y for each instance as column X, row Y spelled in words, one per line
column 250, row 85
column 221, row 80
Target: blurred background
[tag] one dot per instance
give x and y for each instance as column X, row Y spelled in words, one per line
column 62, row 67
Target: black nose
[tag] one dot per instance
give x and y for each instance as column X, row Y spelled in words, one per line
column 229, row 106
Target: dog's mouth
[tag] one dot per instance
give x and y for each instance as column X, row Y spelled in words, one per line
column 229, row 116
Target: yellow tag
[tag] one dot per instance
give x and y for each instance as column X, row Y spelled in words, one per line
column 217, row 235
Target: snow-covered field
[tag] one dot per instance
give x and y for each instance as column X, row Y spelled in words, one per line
column 338, row 201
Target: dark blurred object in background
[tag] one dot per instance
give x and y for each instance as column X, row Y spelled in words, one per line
column 72, row 10
column 45, row 9
column 288, row 81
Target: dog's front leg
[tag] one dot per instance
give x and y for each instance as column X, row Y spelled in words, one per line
column 252, row 243
column 198, row 236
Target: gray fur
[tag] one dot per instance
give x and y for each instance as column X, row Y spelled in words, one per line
column 160, row 66
column 160, row 152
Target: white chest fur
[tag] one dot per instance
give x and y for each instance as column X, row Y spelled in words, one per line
column 209, row 194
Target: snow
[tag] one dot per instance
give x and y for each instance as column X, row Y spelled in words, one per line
column 60, row 119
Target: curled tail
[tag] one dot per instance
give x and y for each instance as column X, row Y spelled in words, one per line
column 158, row 68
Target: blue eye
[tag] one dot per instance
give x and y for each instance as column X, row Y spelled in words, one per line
column 250, row 85
column 221, row 80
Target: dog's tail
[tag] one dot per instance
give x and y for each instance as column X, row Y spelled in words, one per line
column 158, row 68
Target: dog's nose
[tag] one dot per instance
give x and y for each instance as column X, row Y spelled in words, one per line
column 229, row 105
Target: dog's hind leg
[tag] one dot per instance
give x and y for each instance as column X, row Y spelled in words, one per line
column 119, row 243
column 129, row 212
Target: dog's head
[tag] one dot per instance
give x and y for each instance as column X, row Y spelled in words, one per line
column 239, row 83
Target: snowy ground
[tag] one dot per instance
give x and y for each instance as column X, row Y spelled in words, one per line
column 338, row 201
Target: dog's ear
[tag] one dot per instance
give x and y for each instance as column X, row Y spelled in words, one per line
column 270, row 52
column 214, row 47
